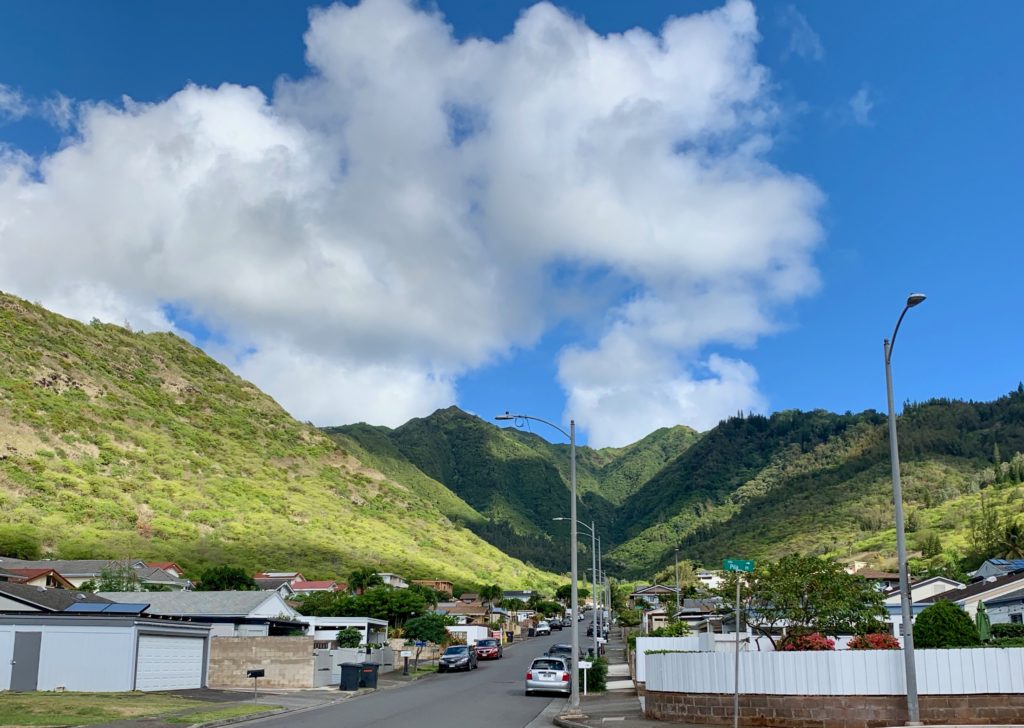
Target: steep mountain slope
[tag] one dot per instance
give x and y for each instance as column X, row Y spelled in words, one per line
column 517, row 480
column 820, row 483
column 810, row 482
column 114, row 443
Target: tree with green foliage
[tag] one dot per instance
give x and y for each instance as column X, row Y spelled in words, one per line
column 1011, row 542
column 427, row 628
column 226, row 578
column 349, row 637
column 805, row 594
column 430, row 596
column 944, row 624
column 364, row 578
column 489, row 594
column 20, row 542
column 117, row 576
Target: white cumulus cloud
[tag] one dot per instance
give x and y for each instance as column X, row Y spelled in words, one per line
column 419, row 205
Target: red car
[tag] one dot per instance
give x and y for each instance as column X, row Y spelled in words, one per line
column 488, row 649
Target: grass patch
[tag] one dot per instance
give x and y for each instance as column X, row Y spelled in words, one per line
column 235, row 711
column 61, row 709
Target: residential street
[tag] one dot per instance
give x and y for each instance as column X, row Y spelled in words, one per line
column 490, row 697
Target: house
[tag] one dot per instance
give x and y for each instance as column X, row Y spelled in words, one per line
column 697, row 611
column 998, row 567
column 311, row 587
column 48, row 578
column 709, row 580
column 651, row 595
column 325, row 629
column 470, row 598
column 232, row 613
column 393, row 580
column 281, row 586
column 987, row 590
column 653, row 619
column 169, row 566
column 523, row 596
column 881, row 580
column 27, row 598
column 463, row 612
column 79, row 571
column 919, row 592
column 438, row 585
column 100, row 651
column 1008, row 609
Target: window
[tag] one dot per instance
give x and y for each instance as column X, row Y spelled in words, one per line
column 1016, row 618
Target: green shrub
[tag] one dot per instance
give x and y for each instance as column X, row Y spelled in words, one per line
column 944, row 624
column 597, row 679
column 1008, row 642
column 20, row 542
column 349, row 637
column 1000, row 631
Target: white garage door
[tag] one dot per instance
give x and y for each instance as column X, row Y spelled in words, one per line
column 169, row 663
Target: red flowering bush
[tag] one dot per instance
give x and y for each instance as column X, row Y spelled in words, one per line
column 875, row 641
column 812, row 641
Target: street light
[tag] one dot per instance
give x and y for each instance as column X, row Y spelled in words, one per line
column 574, row 694
column 593, row 573
column 913, row 711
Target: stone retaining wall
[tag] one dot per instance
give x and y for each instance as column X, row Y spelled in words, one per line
column 288, row 661
column 814, row 711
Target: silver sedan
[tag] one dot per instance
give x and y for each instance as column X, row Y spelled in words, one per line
column 549, row 674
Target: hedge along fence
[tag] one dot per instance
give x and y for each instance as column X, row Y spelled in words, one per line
column 848, row 672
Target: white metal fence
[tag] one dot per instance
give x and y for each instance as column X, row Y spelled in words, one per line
column 847, row 672
column 690, row 643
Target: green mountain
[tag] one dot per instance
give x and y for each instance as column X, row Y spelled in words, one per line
column 116, row 444
column 760, row 487
column 518, row 480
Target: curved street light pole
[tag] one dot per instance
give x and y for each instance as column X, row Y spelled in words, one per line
column 913, row 710
column 574, row 694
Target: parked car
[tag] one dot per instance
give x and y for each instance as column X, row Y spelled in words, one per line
column 457, row 657
column 548, row 674
column 567, row 622
column 542, row 628
column 556, row 624
column 488, row 649
column 561, row 650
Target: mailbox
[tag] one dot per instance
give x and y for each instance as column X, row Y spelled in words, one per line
column 255, row 673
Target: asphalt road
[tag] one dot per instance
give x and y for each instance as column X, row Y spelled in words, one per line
column 489, row 697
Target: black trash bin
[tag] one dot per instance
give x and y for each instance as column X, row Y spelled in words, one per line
column 350, row 676
column 368, row 675
column 531, row 632
column 511, row 636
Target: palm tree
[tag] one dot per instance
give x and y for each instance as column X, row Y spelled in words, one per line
column 1011, row 545
column 363, row 578
column 488, row 594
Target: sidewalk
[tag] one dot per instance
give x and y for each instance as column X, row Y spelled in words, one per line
column 619, row 705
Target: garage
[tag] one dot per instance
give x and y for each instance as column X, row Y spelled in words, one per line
column 101, row 652
column 168, row 662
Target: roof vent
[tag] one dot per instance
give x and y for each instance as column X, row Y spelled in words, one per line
column 41, row 588
column 990, row 579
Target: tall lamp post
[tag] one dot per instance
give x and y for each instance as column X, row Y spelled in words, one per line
column 574, row 694
column 593, row 571
column 913, row 710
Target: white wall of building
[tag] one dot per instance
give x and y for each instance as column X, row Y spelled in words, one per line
column 93, row 659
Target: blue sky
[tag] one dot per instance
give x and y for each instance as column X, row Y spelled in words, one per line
column 903, row 116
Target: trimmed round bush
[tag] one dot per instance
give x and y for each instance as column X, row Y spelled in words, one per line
column 812, row 642
column 874, row 641
column 944, row 624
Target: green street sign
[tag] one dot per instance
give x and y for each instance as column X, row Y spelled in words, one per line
column 738, row 565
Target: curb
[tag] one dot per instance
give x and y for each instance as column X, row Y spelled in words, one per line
column 566, row 723
column 240, row 718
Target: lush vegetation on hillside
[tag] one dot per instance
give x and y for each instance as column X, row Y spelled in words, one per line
column 116, row 444
column 762, row 487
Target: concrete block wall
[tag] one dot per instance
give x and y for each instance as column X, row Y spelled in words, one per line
column 832, row 711
column 288, row 661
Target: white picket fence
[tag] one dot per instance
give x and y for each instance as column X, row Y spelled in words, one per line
column 846, row 672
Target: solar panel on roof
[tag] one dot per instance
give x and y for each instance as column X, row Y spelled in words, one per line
column 125, row 608
column 87, row 607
